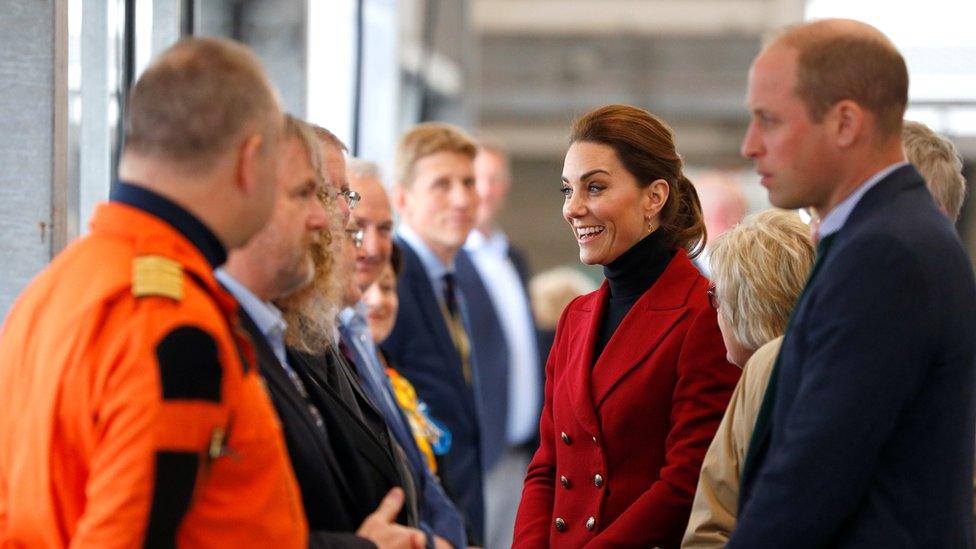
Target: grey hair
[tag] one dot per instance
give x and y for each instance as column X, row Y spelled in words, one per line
column 363, row 169
column 939, row 163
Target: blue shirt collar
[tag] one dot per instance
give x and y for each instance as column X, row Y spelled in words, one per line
column 495, row 242
column 175, row 215
column 266, row 316
column 835, row 220
column 432, row 264
column 355, row 314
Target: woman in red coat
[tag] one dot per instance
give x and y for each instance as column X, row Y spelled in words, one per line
column 637, row 380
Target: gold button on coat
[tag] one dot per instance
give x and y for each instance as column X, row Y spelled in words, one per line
column 560, row 524
column 564, row 481
column 565, row 437
column 597, row 480
column 590, row 523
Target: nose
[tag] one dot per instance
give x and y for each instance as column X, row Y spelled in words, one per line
column 463, row 195
column 574, row 207
column 343, row 206
column 371, row 242
column 318, row 218
column 751, row 144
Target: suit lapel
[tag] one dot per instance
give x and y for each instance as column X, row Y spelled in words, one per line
column 368, row 443
column 274, row 374
column 416, row 279
column 647, row 323
column 585, row 324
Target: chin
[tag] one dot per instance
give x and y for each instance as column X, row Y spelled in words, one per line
column 588, row 259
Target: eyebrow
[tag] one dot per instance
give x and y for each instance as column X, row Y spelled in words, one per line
column 588, row 174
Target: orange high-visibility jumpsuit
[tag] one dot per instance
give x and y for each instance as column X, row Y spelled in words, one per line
column 129, row 415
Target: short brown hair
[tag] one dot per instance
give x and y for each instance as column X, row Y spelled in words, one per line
column 197, row 99
column 842, row 59
column 760, row 267
column 939, row 163
column 295, row 128
column 645, row 146
column 329, row 138
column 424, row 140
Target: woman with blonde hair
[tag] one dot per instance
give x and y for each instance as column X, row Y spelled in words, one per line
column 759, row 268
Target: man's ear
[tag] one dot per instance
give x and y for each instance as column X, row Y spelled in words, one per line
column 249, row 163
column 399, row 198
column 846, row 121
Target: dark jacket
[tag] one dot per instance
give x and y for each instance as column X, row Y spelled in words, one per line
column 872, row 424
column 343, row 468
column 421, row 346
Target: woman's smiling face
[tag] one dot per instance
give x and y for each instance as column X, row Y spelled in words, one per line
column 608, row 211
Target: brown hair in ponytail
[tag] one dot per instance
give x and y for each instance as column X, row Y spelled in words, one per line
column 645, row 146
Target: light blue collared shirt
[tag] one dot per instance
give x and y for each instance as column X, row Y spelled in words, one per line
column 501, row 279
column 433, row 266
column 353, row 320
column 837, row 217
column 266, row 316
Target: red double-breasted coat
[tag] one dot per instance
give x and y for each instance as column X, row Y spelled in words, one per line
column 622, row 439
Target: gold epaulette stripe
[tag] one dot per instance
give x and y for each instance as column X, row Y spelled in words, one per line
column 156, row 275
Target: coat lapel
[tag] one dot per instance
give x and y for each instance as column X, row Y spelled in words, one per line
column 585, row 324
column 647, row 323
column 275, row 375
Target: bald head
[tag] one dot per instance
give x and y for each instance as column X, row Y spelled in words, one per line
column 202, row 128
column 375, row 217
column 840, row 59
column 198, row 100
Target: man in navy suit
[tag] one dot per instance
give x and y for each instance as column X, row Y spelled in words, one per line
column 433, row 342
column 512, row 429
column 865, row 435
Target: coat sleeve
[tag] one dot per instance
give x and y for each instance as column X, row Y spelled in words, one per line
column 118, row 489
column 715, row 506
column 704, row 383
column 446, row 519
column 532, row 522
column 865, row 363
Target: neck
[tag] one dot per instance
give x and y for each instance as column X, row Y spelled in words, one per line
column 486, row 229
column 867, row 165
column 445, row 254
column 197, row 194
column 250, row 276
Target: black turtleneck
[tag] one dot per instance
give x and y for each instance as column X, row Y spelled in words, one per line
column 629, row 276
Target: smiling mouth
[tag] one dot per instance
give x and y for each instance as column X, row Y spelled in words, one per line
column 588, row 233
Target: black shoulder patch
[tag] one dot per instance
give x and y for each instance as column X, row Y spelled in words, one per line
column 189, row 365
column 176, row 476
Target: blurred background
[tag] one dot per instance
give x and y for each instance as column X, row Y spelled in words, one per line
column 516, row 72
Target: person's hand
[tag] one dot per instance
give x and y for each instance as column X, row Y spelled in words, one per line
column 381, row 528
column 441, row 543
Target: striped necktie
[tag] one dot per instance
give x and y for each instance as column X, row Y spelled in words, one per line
column 455, row 325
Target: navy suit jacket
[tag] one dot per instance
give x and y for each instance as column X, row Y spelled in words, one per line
column 421, row 347
column 872, row 429
column 437, row 514
column 489, row 358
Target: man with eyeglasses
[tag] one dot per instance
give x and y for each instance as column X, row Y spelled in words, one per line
column 334, row 165
column 369, row 246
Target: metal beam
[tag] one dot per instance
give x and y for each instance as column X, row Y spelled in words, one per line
column 659, row 17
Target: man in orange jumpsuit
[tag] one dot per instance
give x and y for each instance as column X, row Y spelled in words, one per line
column 131, row 412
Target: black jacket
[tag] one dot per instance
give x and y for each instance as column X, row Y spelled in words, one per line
column 343, row 467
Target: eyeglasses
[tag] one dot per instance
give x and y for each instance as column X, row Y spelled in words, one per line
column 352, row 198
column 356, row 237
column 712, row 293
